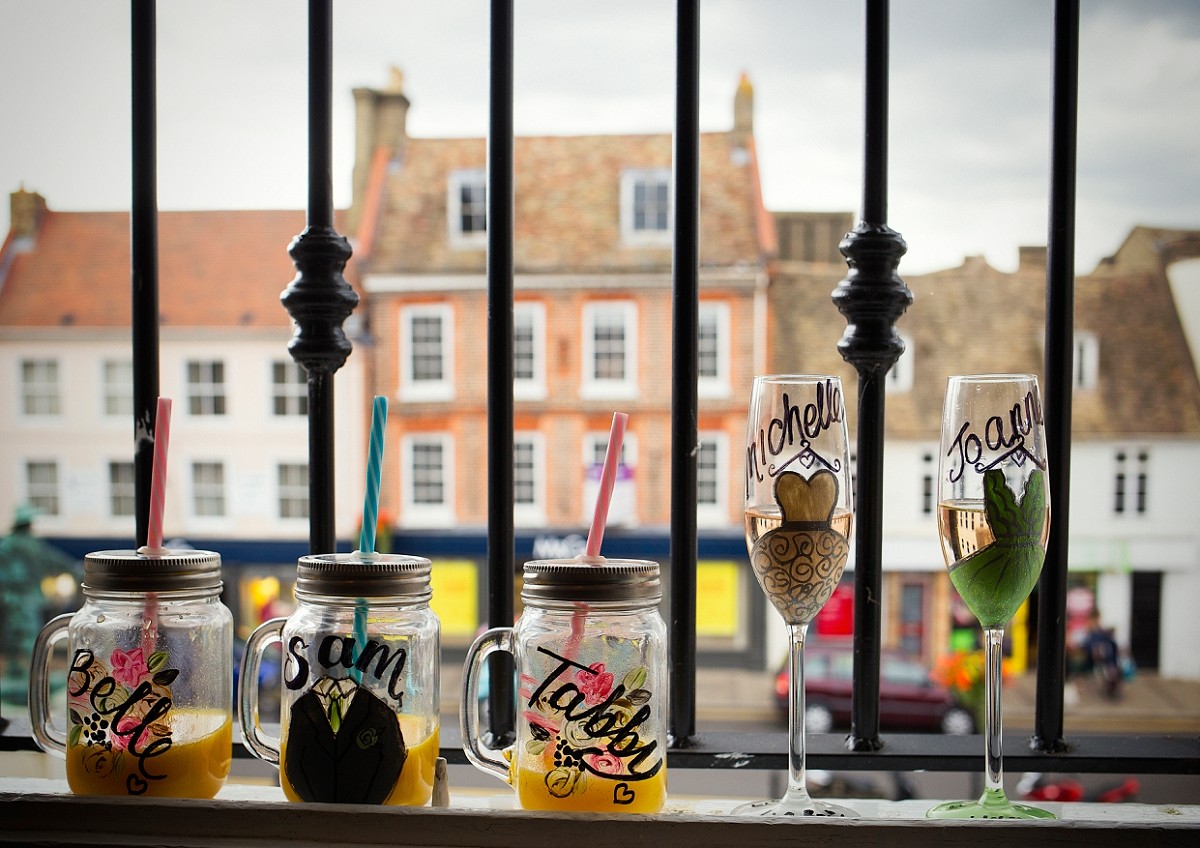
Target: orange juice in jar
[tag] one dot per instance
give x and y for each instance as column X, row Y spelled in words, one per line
column 195, row 768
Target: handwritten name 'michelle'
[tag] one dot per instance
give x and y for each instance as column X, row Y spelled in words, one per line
column 798, row 424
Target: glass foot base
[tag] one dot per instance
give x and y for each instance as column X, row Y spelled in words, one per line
column 992, row 804
column 800, row 807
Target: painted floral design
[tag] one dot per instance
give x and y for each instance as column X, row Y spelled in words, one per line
column 594, row 684
column 118, row 708
column 585, row 725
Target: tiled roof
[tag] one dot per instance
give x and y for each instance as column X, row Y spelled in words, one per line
column 567, row 215
column 216, row 269
column 977, row 319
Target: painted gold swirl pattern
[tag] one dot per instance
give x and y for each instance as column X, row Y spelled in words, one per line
column 798, row 569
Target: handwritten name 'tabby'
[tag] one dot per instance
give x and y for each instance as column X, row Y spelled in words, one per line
column 601, row 720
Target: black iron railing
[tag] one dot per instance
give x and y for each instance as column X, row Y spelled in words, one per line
column 871, row 297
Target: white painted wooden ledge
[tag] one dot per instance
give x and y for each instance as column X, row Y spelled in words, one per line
column 42, row 812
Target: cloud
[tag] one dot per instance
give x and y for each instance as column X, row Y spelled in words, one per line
column 969, row 121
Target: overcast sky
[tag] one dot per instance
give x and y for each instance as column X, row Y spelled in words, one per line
column 970, row 102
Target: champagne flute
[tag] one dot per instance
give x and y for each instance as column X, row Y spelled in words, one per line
column 798, row 517
column 994, row 520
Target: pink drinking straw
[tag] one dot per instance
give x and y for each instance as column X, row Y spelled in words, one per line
column 608, row 477
column 158, row 479
column 158, row 486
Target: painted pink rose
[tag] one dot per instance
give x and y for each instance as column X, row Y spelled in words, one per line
column 594, row 683
column 122, row 735
column 128, row 668
column 606, row 763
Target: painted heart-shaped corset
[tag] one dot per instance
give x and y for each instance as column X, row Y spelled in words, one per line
column 800, row 562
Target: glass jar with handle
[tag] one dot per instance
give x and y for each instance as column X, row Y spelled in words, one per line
column 359, row 716
column 590, row 656
column 149, row 679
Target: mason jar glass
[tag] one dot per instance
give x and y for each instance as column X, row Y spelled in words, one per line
column 149, row 677
column 359, row 718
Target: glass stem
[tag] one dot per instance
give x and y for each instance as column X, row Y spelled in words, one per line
column 993, row 644
column 796, row 748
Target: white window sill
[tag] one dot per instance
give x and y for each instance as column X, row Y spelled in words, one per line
column 42, row 811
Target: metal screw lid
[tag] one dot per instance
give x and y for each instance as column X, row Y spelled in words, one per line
column 167, row 570
column 591, row 580
column 358, row 575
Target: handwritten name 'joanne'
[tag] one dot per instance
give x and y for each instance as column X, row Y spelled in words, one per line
column 967, row 449
column 797, row 425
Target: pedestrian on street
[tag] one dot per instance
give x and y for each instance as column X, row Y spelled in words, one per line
column 1105, row 657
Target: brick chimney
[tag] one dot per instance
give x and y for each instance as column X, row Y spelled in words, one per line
column 1031, row 257
column 380, row 118
column 26, row 211
column 743, row 106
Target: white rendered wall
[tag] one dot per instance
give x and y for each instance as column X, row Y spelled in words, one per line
column 248, row 439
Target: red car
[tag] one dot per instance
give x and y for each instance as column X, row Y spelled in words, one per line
column 909, row 699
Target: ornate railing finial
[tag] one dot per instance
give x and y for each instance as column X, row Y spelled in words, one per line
column 319, row 299
column 872, row 298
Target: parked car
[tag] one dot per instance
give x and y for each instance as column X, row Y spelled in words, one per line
column 909, row 699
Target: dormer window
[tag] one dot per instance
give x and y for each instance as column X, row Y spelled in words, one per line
column 646, row 206
column 900, row 377
column 466, row 208
column 1087, row 360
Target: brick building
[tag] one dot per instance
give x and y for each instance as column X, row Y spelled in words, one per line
column 1135, row 465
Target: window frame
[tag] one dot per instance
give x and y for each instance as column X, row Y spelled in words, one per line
column 291, row 492
column 594, row 387
column 534, row 387
column 121, row 489
column 293, row 393
column 426, row 514
column 900, row 376
column 593, row 447
column 33, row 489
column 715, row 513
column 118, row 391
column 410, row 388
column 213, row 392
column 1085, row 371
column 198, row 489
column 35, row 391
column 533, row 513
column 716, row 385
column 455, row 183
column 631, row 234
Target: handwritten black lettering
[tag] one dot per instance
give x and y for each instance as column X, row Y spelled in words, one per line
column 1002, row 438
column 796, row 428
column 603, row 720
column 338, row 652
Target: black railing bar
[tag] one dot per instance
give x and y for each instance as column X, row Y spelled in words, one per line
column 320, row 113
column 875, row 116
column 1059, row 346
column 319, row 298
column 685, row 276
column 501, row 538
column 872, row 297
column 1093, row 753
column 143, row 243
column 322, row 537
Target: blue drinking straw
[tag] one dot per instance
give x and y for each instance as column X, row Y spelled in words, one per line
column 366, row 539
